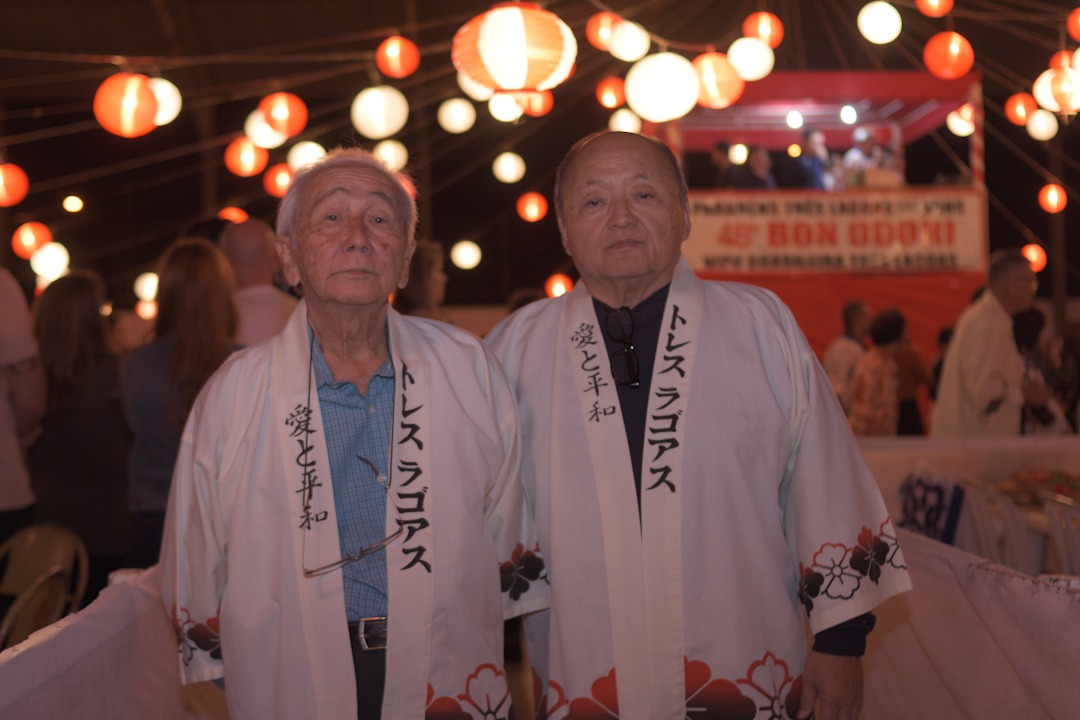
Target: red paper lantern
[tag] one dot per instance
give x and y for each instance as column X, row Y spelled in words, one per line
column 1052, row 198
column 764, row 26
column 1035, row 255
column 558, row 284
column 245, row 158
column 536, row 104
column 13, row 184
column 285, row 113
column 532, row 207
column 29, row 237
column 397, row 57
column 125, row 105
column 1061, row 59
column 598, row 29
column 611, row 92
column 1072, row 24
column 718, row 84
column 515, row 47
column 277, row 178
column 948, row 55
column 233, row 214
column 934, row 8
column 1019, row 107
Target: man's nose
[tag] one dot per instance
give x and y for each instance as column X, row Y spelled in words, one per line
column 356, row 239
column 622, row 213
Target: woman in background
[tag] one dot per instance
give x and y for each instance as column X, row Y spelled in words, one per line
column 875, row 385
column 194, row 332
column 425, row 292
column 78, row 466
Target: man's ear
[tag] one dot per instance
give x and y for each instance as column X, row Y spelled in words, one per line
column 403, row 279
column 288, row 262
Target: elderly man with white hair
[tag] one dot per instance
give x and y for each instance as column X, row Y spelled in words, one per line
column 347, row 532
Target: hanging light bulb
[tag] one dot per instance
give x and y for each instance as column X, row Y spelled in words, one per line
column 879, row 22
column 456, row 115
column 508, row 167
column 304, row 153
column 624, row 120
column 379, row 112
column 465, row 254
column 752, row 58
column 393, row 154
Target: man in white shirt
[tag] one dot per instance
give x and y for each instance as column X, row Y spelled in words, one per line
column 844, row 352
column 264, row 309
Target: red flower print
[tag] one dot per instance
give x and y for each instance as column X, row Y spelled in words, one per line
column 443, row 708
column 809, row 586
column 832, row 562
column 550, row 702
column 791, row 704
column 486, row 690
column 719, row 699
column 603, row 705
column 869, row 555
column 524, row 566
column 193, row 636
column 769, row 676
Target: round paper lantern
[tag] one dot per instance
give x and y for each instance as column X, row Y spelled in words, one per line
column 456, row 115
column 879, row 22
column 532, row 207
column 72, row 203
column 1018, row 107
column 849, row 115
column 1052, row 198
column 1061, row 59
column 794, row 119
column 948, row 55
column 125, row 105
column 50, row 261
column 397, row 57
column 379, row 112
column 504, row 107
column 245, row 158
column 508, row 167
column 959, row 125
column 598, row 29
column 662, row 87
column 465, row 254
column 1058, row 90
column 146, row 285
column 259, row 131
column 752, row 58
column 1035, row 255
column 558, row 285
column 611, row 92
column 285, row 113
column 13, row 184
column 233, row 214
column 276, row 180
column 393, row 154
column 536, row 104
column 303, row 153
column 764, row 26
column 624, row 120
column 934, row 8
column 29, row 238
column 629, row 41
column 168, row 99
column 794, row 150
column 1072, row 24
column 1042, row 124
column 719, row 86
column 515, row 46
column 738, row 153
column 476, row 90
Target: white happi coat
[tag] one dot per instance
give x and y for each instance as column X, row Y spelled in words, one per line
column 755, row 500
column 253, row 473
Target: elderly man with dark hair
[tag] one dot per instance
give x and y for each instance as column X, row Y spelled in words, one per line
column 346, row 531
column 694, row 477
column 982, row 389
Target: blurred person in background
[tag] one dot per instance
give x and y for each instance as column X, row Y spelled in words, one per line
column 843, row 353
column 875, row 398
column 424, row 294
column 912, row 374
column 194, row 332
column 79, row 465
column 263, row 308
column 1047, row 418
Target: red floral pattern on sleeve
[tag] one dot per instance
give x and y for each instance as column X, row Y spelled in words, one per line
column 837, row 571
column 195, row 636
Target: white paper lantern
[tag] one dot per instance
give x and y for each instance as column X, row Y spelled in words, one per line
column 393, row 154
column 50, row 261
column 751, row 57
column 465, row 254
column 478, row 91
column 794, row 119
column 504, row 108
column 959, row 125
column 379, row 112
column 1066, row 82
column 662, row 87
column 508, row 167
column 169, row 101
column 738, row 153
column 624, row 120
column 879, row 22
column 849, row 115
column 629, row 41
column 456, row 115
column 303, row 153
column 146, row 286
column 1042, row 124
column 259, row 131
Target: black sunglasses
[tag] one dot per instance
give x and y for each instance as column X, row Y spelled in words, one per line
column 624, row 363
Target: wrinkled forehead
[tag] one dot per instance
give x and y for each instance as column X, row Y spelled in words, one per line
column 622, row 156
column 351, row 183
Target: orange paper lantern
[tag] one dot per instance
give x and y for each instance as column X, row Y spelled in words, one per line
column 558, row 284
column 13, row 184
column 285, row 113
column 948, row 55
column 125, row 105
column 30, row 237
column 1035, row 255
column 532, row 207
column 1019, row 107
column 277, row 178
column 1072, row 24
column 718, row 84
column 1052, row 198
column 934, row 8
column 245, row 158
column 1061, row 59
column 536, row 104
column 598, row 29
column 764, row 26
column 233, row 214
column 611, row 92
column 397, row 57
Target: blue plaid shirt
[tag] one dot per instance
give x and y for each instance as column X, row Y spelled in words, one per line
column 358, row 426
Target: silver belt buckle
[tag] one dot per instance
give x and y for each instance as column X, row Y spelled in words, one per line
column 371, row 632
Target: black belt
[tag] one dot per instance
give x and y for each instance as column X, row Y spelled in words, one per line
column 370, row 632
